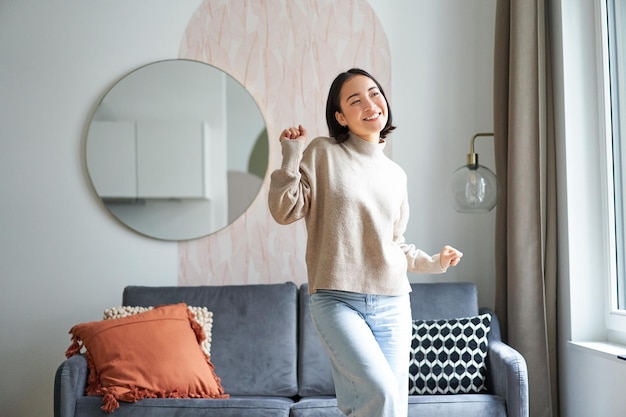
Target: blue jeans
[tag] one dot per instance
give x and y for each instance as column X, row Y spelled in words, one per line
column 368, row 338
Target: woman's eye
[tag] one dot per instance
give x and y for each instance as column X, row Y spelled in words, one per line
column 355, row 102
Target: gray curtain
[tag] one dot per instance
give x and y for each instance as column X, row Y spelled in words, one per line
column 526, row 274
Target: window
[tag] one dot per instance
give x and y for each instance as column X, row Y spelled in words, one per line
column 615, row 57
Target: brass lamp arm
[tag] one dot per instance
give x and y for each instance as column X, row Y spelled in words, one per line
column 472, row 157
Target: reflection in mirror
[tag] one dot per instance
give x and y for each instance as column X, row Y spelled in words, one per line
column 177, row 150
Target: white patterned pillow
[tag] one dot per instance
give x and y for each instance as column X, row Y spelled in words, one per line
column 448, row 356
column 202, row 315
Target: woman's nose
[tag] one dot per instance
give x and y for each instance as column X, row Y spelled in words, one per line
column 368, row 104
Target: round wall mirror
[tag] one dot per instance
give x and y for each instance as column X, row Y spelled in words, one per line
column 177, row 150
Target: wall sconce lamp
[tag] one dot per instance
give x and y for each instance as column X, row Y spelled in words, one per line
column 474, row 187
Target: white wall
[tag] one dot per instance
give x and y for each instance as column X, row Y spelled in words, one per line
column 64, row 259
column 442, row 93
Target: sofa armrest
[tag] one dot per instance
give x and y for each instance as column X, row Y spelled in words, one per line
column 508, row 377
column 70, row 381
column 507, row 374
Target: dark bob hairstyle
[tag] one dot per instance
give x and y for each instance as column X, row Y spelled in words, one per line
column 337, row 131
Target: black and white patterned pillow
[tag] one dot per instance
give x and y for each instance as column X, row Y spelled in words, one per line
column 448, row 356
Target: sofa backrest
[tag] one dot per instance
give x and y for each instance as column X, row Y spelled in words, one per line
column 443, row 300
column 428, row 301
column 314, row 372
column 254, row 332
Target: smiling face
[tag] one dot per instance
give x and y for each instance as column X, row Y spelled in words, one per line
column 363, row 108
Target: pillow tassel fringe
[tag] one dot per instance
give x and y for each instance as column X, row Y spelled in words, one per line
column 195, row 326
column 110, row 397
column 74, row 348
column 109, row 403
column 93, row 382
column 92, row 378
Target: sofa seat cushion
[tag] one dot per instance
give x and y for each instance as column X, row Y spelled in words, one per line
column 191, row 407
column 457, row 405
column 316, row 406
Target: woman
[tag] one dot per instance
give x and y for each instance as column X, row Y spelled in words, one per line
column 354, row 202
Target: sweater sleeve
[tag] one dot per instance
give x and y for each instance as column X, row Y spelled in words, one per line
column 417, row 260
column 421, row 262
column 289, row 192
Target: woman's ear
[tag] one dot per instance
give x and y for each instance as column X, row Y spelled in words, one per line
column 340, row 118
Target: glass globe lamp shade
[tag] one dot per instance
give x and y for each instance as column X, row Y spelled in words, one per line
column 473, row 188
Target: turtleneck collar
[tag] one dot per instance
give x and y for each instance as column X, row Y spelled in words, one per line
column 365, row 147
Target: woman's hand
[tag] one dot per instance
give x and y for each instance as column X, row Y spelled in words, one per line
column 293, row 133
column 449, row 257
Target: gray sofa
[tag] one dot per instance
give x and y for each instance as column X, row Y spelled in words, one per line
column 270, row 361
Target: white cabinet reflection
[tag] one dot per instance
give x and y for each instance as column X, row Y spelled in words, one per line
column 156, row 159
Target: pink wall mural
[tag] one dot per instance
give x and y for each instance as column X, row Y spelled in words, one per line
column 286, row 53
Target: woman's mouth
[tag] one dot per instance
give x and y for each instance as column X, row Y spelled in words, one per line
column 372, row 117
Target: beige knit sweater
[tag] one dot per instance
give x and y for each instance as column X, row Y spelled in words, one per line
column 354, row 201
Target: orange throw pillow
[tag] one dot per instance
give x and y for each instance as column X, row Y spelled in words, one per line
column 156, row 354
